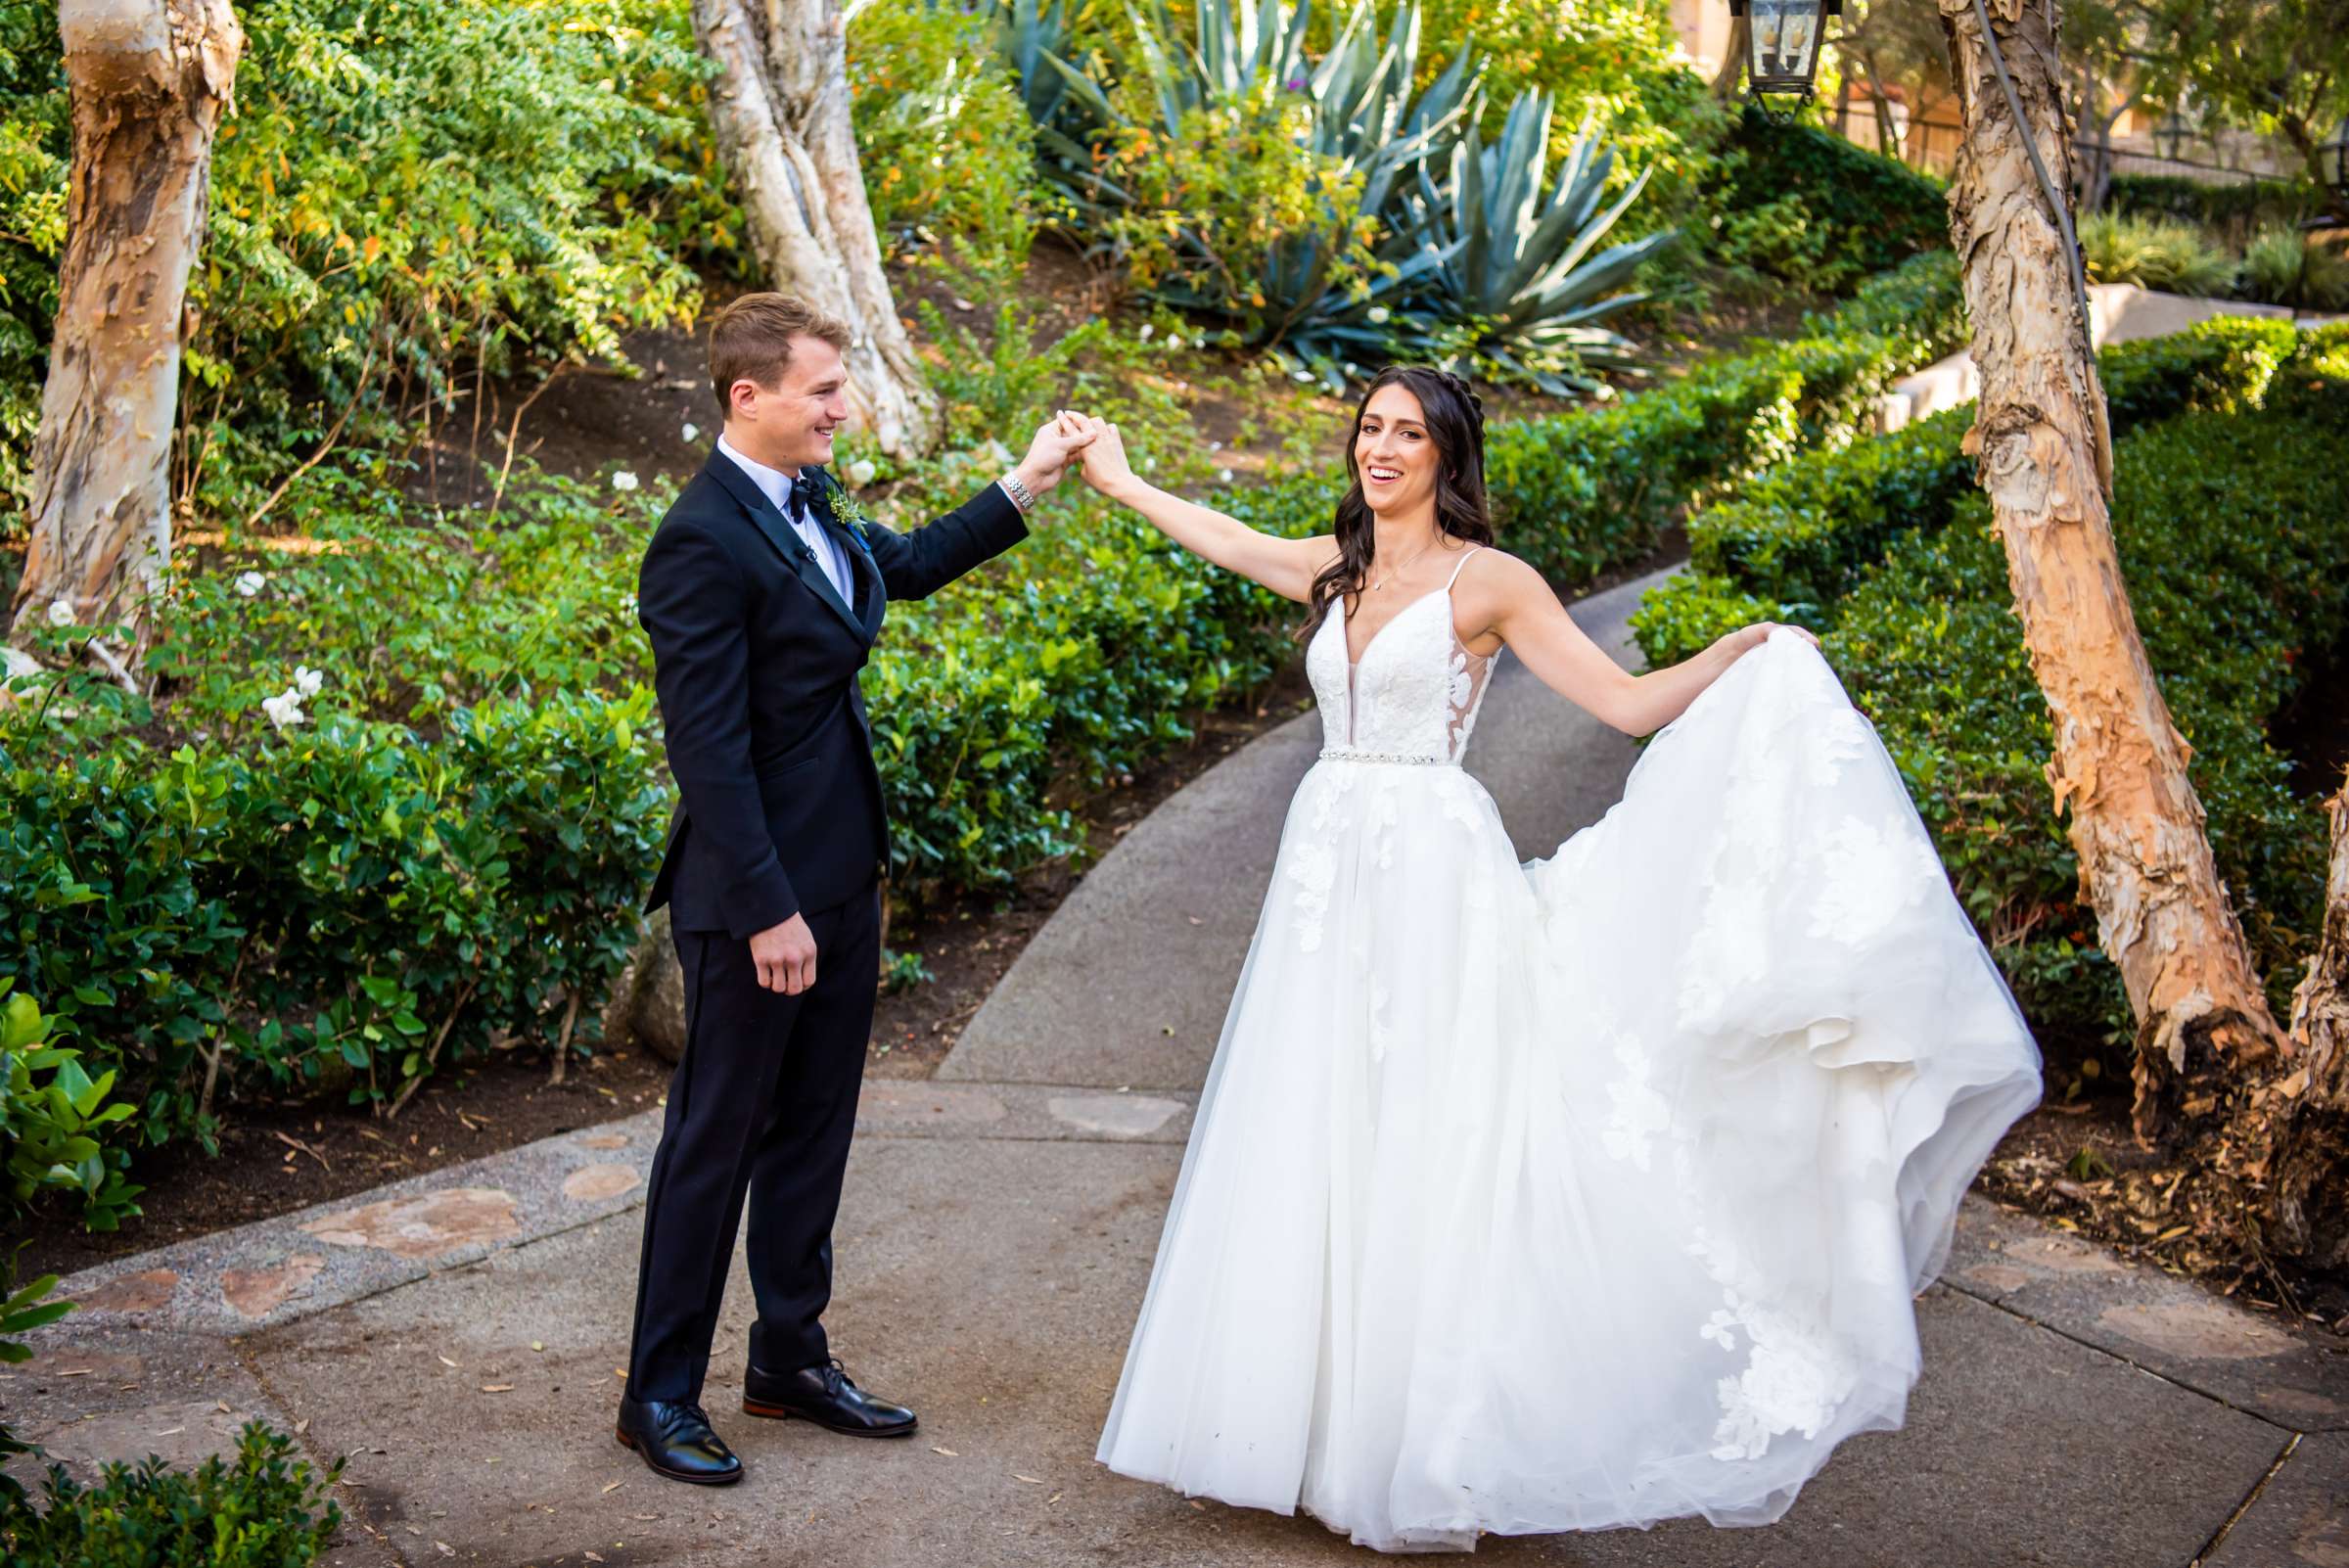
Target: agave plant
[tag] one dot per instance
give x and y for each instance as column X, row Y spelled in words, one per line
column 1513, row 252
column 1030, row 36
column 1366, row 123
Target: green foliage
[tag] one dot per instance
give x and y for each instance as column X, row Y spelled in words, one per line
column 450, row 838
column 23, row 1309
column 52, row 1117
column 2153, row 253
column 942, row 134
column 1516, row 251
column 407, row 190
column 1930, row 647
column 1807, row 206
column 1799, row 537
column 1579, row 492
column 2287, row 268
column 2234, row 209
column 263, row 1508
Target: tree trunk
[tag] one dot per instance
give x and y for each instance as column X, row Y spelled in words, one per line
column 150, row 83
column 1733, row 62
column 2042, row 454
column 780, row 106
column 2305, row 1136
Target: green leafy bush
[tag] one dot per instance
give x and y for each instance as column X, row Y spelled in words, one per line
column 263, row 1508
column 52, row 1117
column 1808, row 206
column 2234, row 210
column 407, row 190
column 1929, row 646
column 2288, row 267
column 942, row 134
column 2153, row 253
column 1796, row 539
column 1579, row 492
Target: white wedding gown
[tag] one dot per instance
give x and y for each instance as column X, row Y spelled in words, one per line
column 1579, row 1193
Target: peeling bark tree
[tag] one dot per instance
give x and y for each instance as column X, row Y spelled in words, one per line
column 2301, row 1122
column 780, row 106
column 149, row 81
column 2043, row 455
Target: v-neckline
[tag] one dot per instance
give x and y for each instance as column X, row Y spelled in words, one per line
column 1354, row 661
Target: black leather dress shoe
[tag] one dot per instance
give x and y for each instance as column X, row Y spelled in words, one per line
column 675, row 1439
column 825, row 1396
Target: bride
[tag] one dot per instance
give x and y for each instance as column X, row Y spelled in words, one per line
column 1565, row 1195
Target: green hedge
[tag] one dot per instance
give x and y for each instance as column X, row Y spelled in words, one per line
column 1809, row 206
column 1930, row 647
column 1579, row 492
column 1797, row 539
column 260, row 1507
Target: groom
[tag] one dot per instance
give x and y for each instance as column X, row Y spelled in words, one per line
column 761, row 605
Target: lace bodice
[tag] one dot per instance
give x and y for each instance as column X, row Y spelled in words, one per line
column 1414, row 693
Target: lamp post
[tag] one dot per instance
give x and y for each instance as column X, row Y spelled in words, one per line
column 2169, row 135
column 1781, row 45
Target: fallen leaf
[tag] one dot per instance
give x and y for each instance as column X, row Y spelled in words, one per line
column 1032, row 1481
column 497, row 1388
column 302, row 1426
column 446, row 1550
column 612, row 1487
column 446, row 1361
column 592, row 1556
column 536, row 1345
column 78, row 1371
column 948, row 1453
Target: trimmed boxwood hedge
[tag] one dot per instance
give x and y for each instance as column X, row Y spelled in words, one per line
column 1796, row 539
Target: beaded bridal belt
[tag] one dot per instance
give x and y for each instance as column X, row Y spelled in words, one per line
column 1347, row 754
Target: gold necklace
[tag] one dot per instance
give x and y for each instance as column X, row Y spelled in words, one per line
column 1378, row 583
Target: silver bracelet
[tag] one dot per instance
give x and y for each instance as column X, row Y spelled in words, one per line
column 1021, row 495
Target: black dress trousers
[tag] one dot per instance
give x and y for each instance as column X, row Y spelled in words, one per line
column 762, row 1107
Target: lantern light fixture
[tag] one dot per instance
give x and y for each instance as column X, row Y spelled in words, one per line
column 2332, row 158
column 1781, row 44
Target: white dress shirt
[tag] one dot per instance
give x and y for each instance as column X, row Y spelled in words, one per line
column 775, row 485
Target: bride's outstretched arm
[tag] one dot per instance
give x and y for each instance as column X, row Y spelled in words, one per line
column 1285, row 566
column 1508, row 598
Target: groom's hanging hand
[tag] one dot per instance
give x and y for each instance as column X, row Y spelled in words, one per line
column 785, row 955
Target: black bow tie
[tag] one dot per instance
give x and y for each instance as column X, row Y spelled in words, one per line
column 803, row 497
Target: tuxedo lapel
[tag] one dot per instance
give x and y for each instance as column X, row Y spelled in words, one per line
column 863, row 571
column 784, row 537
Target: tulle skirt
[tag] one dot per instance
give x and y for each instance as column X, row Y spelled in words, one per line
column 1584, row 1192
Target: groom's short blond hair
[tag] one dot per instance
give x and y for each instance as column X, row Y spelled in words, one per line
column 750, row 340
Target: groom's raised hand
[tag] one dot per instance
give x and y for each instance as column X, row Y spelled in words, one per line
column 1056, row 440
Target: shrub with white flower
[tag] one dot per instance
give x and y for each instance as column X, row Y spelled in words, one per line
column 624, row 481
column 690, row 432
column 249, row 583
column 284, row 709
column 61, row 613
column 306, row 680
column 862, row 472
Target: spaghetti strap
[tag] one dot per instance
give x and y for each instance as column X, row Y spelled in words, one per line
column 1456, row 571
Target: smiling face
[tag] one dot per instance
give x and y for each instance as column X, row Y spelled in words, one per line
column 1394, row 455
column 790, row 425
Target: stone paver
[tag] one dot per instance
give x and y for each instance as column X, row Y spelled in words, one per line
column 458, row 1336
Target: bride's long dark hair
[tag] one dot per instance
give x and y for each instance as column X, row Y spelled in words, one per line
column 1455, row 417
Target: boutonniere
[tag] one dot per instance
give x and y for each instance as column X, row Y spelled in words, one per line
column 846, row 513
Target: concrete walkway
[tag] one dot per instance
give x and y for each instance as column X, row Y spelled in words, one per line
column 458, row 1335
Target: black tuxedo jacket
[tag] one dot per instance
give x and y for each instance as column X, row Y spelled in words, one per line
column 755, row 659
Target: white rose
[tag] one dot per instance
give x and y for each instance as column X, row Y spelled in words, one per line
column 1174, row 340
column 251, row 583
column 284, row 709
column 1379, row 315
column 61, row 613
column 862, row 472
column 624, row 481
column 1223, row 475
column 690, row 432
column 306, row 680
column 1148, row 329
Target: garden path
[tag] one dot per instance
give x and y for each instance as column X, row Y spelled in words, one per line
column 457, row 1335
